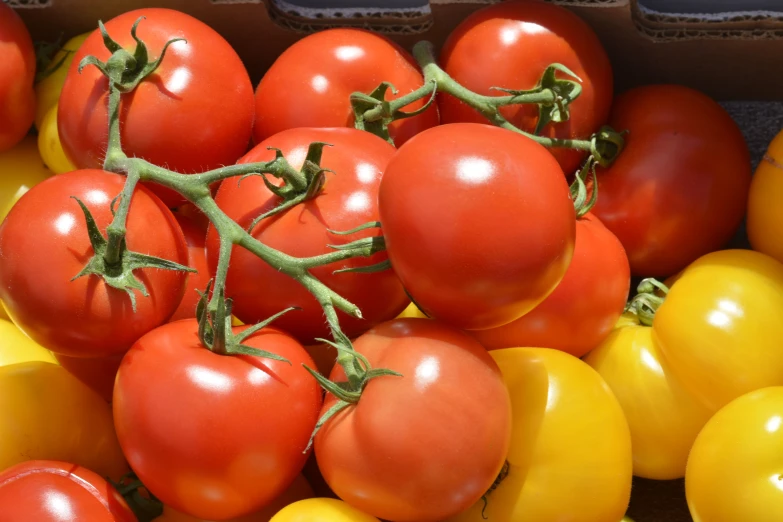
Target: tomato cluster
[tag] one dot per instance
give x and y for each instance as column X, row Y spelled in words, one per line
column 382, row 285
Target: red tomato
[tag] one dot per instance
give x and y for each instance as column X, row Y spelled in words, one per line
column 424, row 446
column 96, row 372
column 214, row 436
column 310, row 84
column 349, row 199
column 680, row 187
column 509, row 45
column 44, row 243
column 478, row 221
column 17, row 72
column 195, row 237
column 50, row 491
column 193, row 114
column 584, row 307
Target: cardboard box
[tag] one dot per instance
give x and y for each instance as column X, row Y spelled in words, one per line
column 734, row 56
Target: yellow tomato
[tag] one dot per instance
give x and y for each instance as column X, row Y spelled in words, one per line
column 663, row 416
column 321, row 510
column 16, row 347
column 412, row 311
column 49, row 145
column 735, row 470
column 570, row 456
column 20, row 169
column 765, row 213
column 721, row 324
column 48, row 414
column 47, row 91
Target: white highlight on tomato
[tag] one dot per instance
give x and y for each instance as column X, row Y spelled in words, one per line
column 58, row 505
column 427, row 372
column 319, row 83
column 774, row 423
column 64, row 223
column 347, row 53
column 358, row 202
column 97, row 197
column 512, row 33
column 367, row 173
column 474, row 170
column 257, row 377
column 209, row 379
column 179, row 80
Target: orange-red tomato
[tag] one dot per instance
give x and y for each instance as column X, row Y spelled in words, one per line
column 17, row 72
column 195, row 237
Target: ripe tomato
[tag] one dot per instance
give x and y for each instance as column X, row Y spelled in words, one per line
column 49, row 144
column 17, row 72
column 663, row 416
column 84, row 317
column 49, row 414
column 570, row 456
column 720, row 325
column 310, row 84
column 242, row 423
column 298, row 490
column 734, row 466
column 321, row 510
column 195, row 237
column 348, row 200
column 51, row 491
column 515, row 223
column 680, row 187
column 509, row 45
column 584, row 307
column 411, row 442
column 765, row 215
column 47, row 91
column 200, row 98
column 97, row 373
column 21, row 168
column 16, row 347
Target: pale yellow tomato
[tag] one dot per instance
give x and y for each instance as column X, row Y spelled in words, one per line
column 570, row 456
column 16, row 347
column 20, row 169
column 663, row 416
column 765, row 213
column 47, row 91
column 720, row 327
column 49, row 145
column 321, row 510
column 48, row 414
column 735, row 469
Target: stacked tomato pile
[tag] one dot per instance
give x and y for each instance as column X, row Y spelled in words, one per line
column 381, row 285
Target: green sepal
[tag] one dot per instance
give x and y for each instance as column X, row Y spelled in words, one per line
column 371, row 224
column 647, row 301
column 244, row 334
column 44, row 54
column 334, row 410
column 146, row 507
column 370, row 269
column 374, row 243
column 120, row 276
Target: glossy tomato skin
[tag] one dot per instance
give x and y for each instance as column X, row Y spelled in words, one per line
column 401, row 452
column 509, row 45
column 193, row 114
column 49, row 414
column 17, row 72
column 720, row 325
column 348, row 200
column 663, row 416
column 51, row 491
column 679, row 189
column 570, row 455
column 584, row 307
column 734, row 468
column 195, row 238
column 84, row 317
column 765, row 215
column 310, row 84
column 479, row 223
column 222, row 465
column 322, row 510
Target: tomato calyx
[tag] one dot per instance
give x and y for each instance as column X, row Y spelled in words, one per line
column 119, row 274
column 44, row 55
column 650, row 295
column 124, row 69
column 579, row 190
column 500, row 478
column 142, row 502
column 606, row 145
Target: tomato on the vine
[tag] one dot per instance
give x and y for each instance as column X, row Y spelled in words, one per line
column 215, row 436
column 195, row 237
column 49, row 414
column 193, row 114
column 44, row 244
column 411, row 442
column 680, row 187
column 310, row 84
column 348, row 199
column 509, row 45
column 570, row 455
column 52, row 491
column 584, row 307
column 17, row 72
column 478, row 221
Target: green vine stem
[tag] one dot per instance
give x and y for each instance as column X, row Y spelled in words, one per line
column 651, row 294
column 552, row 95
